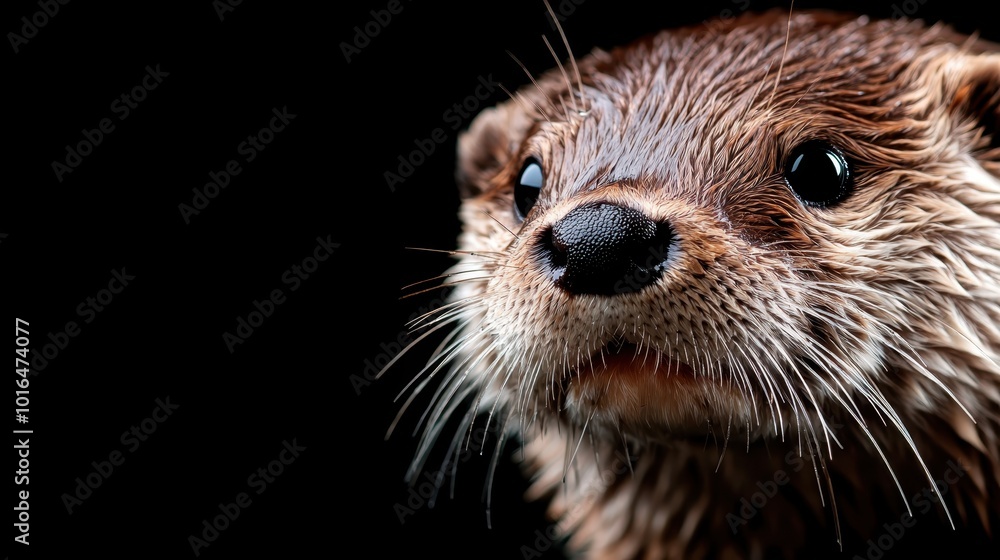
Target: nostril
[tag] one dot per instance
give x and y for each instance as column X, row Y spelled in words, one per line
column 559, row 254
column 605, row 249
column 654, row 254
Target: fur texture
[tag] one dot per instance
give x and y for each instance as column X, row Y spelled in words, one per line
column 799, row 377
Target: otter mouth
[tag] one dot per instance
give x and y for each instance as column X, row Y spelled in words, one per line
column 631, row 388
column 621, row 359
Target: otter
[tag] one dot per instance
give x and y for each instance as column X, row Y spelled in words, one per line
column 735, row 292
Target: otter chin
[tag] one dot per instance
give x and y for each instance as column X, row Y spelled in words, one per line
column 644, row 393
column 735, row 292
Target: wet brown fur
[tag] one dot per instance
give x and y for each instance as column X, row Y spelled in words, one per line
column 892, row 294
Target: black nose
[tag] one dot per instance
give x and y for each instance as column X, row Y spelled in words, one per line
column 605, row 249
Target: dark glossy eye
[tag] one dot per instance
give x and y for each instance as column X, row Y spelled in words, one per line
column 528, row 187
column 818, row 173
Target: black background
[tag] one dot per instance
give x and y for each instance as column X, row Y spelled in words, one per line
column 323, row 176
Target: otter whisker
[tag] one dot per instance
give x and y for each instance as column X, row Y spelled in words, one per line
column 451, row 274
column 452, row 447
column 408, row 347
column 565, row 77
column 816, row 456
column 453, row 252
column 412, row 397
column 531, row 379
column 501, row 224
column 447, row 313
column 625, row 446
column 433, row 430
column 441, row 355
column 521, row 97
column 787, row 359
column 765, row 380
column 445, row 285
column 578, row 442
column 878, row 448
column 921, row 368
column 569, row 51
column 547, row 117
column 491, row 474
column 496, row 403
column 456, row 376
column 725, row 442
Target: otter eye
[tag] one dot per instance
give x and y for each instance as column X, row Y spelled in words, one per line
column 818, row 173
column 529, row 185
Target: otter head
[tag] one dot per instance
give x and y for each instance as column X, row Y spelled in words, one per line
column 714, row 255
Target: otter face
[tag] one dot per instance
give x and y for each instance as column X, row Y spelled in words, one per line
column 711, row 234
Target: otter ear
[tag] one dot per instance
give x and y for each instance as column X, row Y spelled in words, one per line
column 972, row 96
column 488, row 145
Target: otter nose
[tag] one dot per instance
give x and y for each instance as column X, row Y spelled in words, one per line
column 606, row 249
